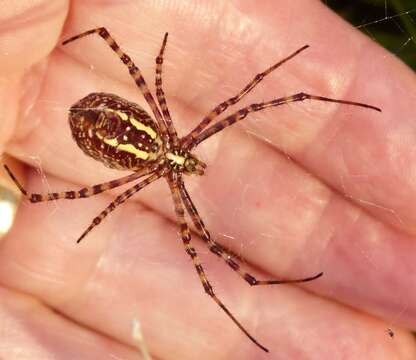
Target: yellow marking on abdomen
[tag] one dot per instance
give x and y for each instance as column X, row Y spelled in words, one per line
column 111, row 142
column 125, row 147
column 133, row 150
column 140, row 126
column 122, row 115
column 136, row 123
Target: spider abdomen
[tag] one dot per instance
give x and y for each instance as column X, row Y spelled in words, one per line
column 115, row 131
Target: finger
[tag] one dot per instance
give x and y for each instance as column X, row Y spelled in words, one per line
column 317, row 130
column 32, row 330
column 65, row 162
column 28, row 33
column 319, row 135
column 265, row 208
column 10, row 198
column 135, row 272
column 289, row 224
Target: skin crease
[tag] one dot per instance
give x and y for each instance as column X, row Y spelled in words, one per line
column 342, row 204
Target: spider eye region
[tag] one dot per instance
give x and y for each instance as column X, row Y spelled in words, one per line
column 194, row 166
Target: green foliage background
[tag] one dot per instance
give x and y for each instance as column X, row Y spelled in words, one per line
column 392, row 23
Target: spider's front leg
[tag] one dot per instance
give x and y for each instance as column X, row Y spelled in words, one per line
column 218, row 110
column 242, row 113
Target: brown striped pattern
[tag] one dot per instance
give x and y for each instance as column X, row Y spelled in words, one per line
column 133, row 70
column 220, row 251
column 242, row 113
column 116, row 132
column 82, row 193
column 235, row 99
column 190, row 250
column 160, row 94
column 121, row 199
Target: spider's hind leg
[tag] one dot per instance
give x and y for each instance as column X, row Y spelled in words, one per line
column 119, row 200
column 190, row 250
column 222, row 252
column 71, row 194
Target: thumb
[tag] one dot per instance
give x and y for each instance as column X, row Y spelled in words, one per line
column 28, row 32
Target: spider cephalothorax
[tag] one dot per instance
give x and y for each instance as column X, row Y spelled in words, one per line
column 185, row 162
column 194, row 166
column 122, row 135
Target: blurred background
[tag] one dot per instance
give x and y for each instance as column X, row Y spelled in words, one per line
column 392, row 23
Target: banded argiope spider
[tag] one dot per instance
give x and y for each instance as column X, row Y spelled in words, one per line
column 122, row 135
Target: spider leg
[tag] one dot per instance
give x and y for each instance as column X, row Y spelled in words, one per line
column 121, row 199
column 160, row 94
column 133, row 70
column 235, row 99
column 190, row 250
column 82, row 193
column 220, row 251
column 242, row 113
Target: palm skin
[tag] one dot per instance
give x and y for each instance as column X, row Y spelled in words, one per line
column 341, row 204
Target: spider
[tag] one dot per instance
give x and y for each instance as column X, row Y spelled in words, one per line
column 121, row 135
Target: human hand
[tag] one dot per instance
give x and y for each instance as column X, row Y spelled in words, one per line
column 302, row 188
